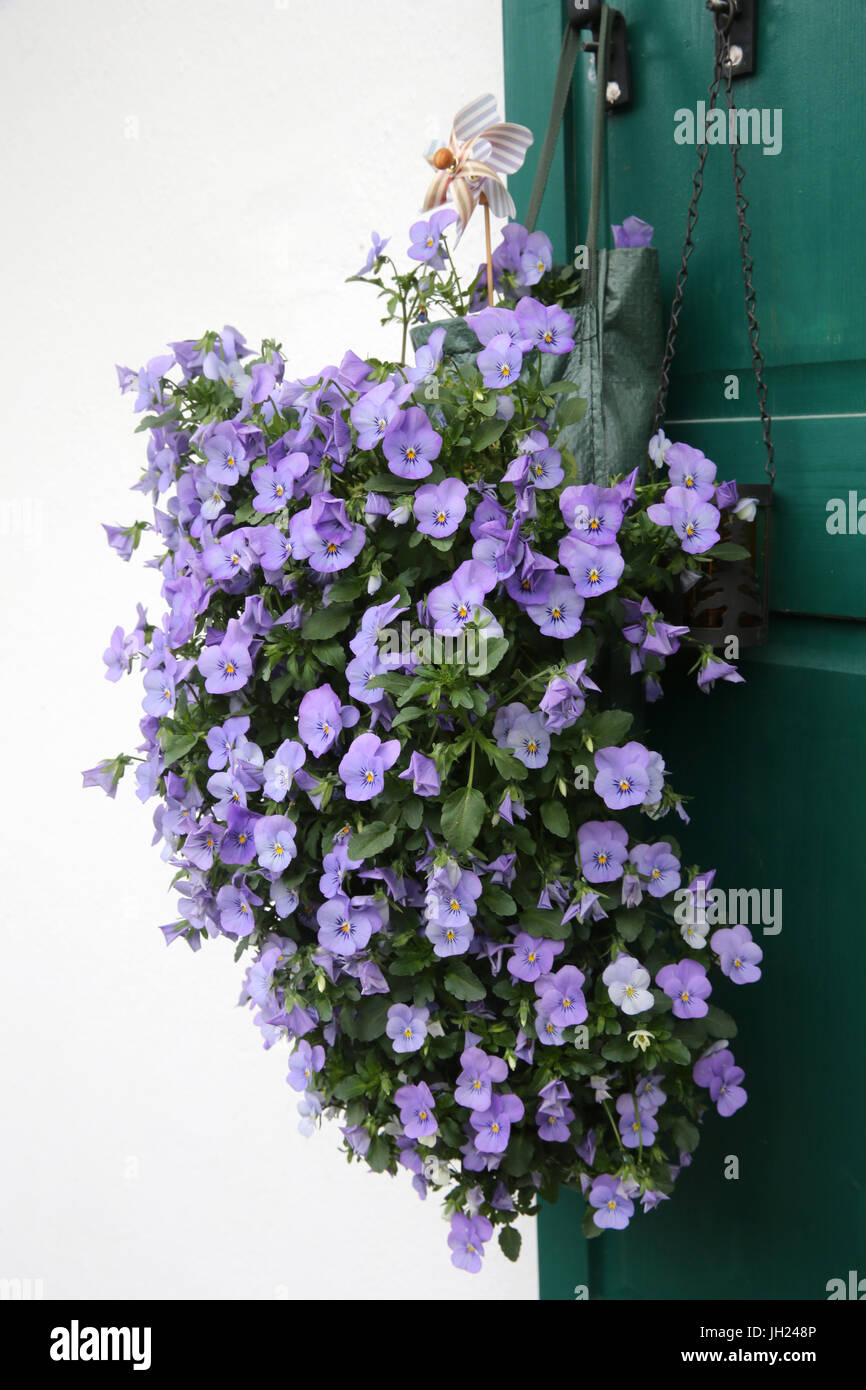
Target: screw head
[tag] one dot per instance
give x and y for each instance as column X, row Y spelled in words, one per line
column 613, row 92
column 735, row 54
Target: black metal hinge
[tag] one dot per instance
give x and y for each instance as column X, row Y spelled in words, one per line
column 586, row 14
column 739, row 18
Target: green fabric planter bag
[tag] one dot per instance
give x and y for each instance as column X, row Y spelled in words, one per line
column 618, row 337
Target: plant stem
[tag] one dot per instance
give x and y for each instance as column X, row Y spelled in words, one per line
column 483, row 201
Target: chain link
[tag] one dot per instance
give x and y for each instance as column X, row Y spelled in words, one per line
column 722, row 66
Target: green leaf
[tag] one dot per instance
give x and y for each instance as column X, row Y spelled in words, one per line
column 492, row 650
column 379, row 1154
column 719, row 1024
column 630, row 924
column 413, row 813
column 463, row 983
column 619, row 1050
column 325, row 622
column 389, row 482
column 676, row 1051
column 176, row 745
column 279, row 687
column 406, row 715
column 540, row 921
column 487, row 434
column 372, row 1017
column 462, row 815
column 563, row 387
column 686, row 1135
column 345, row 590
column 572, row 409
column 349, row 1087
column 609, row 727
column 367, row 843
column 510, row 769
column 590, row 1230
column 498, row 901
column 725, row 550
column 510, row 1242
column 555, row 817
column 518, row 1155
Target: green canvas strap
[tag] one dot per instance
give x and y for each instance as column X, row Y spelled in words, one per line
column 561, row 90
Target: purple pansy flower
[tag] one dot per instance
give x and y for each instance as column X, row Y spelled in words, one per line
column 423, row 775
column 275, row 843
column 363, row 767
column 547, row 327
column 346, row 925
column 738, row 954
column 623, row 777
column 228, row 666
column 633, row 231
column 334, row 868
column 477, row 1078
column 416, row 1106
column 687, row 985
column 411, row 445
column 304, row 1061
column 493, row 1126
column 440, row 507
column 426, row 237
column 636, row 1127
column 453, row 604
column 659, row 866
column 560, row 613
column 533, row 956
column 694, row 521
column 226, row 456
column 594, row 514
column 279, row 770
column 376, row 250
column 613, row 1209
column 691, row 470
column 529, row 740
column 602, row 847
column 321, row 718
column 466, row 1241
column 235, row 909
column 273, row 484
column 595, row 569
column 407, row 1027
column 500, row 362
column 561, row 996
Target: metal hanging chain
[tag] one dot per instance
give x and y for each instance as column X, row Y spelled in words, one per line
column 723, row 13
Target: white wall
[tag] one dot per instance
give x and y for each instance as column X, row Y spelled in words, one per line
column 169, row 166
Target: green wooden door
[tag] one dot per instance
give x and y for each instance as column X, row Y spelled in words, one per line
column 776, row 766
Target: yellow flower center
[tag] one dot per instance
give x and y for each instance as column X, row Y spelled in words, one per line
column 593, row 576
column 230, row 670
column 410, row 454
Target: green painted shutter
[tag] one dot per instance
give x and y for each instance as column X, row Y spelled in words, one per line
column 776, row 766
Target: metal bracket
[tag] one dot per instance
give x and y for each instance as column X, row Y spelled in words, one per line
column 586, row 14
column 739, row 18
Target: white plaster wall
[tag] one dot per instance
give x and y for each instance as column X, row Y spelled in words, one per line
column 168, row 166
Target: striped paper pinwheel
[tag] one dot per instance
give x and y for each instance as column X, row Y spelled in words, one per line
column 470, row 167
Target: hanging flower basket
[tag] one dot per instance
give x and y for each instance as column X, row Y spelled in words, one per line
column 386, row 768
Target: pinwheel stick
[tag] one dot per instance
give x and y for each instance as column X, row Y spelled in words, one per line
column 483, row 201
